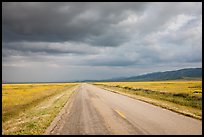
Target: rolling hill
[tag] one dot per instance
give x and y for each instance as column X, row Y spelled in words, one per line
column 187, row 73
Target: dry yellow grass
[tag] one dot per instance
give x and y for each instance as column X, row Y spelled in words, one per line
column 190, row 87
column 21, row 94
column 29, row 108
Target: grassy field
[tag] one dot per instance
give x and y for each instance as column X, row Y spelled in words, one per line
column 30, row 108
column 184, row 97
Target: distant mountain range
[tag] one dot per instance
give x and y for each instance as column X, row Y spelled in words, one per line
column 188, row 73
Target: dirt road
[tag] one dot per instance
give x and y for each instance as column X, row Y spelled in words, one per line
column 93, row 110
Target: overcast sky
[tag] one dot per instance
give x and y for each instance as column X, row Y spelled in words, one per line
column 77, row 41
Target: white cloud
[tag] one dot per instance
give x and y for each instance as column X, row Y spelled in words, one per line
column 180, row 21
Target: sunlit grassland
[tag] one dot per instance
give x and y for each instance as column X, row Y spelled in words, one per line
column 30, row 108
column 181, row 96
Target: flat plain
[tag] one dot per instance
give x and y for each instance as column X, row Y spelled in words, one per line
column 106, row 108
column 30, row 108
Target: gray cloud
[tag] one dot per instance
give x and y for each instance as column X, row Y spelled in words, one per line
column 46, row 48
column 55, row 22
column 99, row 38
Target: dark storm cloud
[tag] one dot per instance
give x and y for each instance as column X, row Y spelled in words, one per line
column 89, row 37
column 58, row 22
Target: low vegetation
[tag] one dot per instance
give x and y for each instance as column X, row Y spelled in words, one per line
column 181, row 96
column 30, row 108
